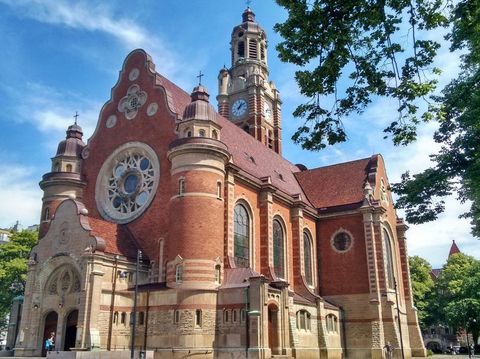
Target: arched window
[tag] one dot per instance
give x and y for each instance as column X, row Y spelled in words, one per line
column 332, row 323
column 115, row 318
column 388, row 259
column 68, row 167
column 262, row 52
column 307, row 257
column 57, row 167
column 176, row 316
column 241, row 49
column 278, row 249
column 219, row 189
column 218, row 274
column 215, row 134
column 234, row 315
column 46, row 214
column 181, row 186
column 201, row 133
column 241, row 246
column 123, row 318
column 226, row 316
column 141, row 318
column 303, row 320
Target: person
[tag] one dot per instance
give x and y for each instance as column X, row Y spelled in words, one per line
column 389, row 350
column 50, row 342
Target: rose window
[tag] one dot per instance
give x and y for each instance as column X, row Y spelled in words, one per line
column 127, row 182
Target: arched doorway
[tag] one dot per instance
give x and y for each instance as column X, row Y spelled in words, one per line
column 70, row 330
column 273, row 329
column 51, row 320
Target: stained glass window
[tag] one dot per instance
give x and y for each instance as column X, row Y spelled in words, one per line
column 388, row 258
column 278, row 249
column 241, row 237
column 307, row 257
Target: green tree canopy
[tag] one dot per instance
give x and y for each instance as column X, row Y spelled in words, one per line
column 458, row 293
column 422, row 287
column 351, row 52
column 13, row 267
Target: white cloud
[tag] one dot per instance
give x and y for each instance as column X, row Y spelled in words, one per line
column 21, row 194
column 98, row 17
column 51, row 112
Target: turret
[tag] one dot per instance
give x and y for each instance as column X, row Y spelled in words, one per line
column 198, row 159
column 64, row 181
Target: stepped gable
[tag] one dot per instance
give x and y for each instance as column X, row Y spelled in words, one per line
column 336, row 185
column 248, row 154
column 118, row 240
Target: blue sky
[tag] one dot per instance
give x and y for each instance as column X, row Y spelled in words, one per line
column 62, row 56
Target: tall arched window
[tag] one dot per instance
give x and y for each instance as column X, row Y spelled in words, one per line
column 241, row 241
column 278, row 249
column 252, row 49
column 307, row 257
column 388, row 259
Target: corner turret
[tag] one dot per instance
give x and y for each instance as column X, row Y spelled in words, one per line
column 64, row 181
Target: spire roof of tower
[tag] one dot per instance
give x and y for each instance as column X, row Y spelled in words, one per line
column 248, row 15
column 453, row 249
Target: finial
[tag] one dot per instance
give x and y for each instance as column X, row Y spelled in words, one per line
column 76, row 116
column 200, row 75
column 248, row 2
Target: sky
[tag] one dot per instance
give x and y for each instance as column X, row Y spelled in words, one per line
column 62, row 56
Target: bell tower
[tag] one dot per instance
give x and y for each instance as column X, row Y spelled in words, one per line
column 245, row 95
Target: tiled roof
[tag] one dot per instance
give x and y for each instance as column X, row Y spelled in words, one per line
column 248, row 154
column 118, row 239
column 336, row 185
column 237, row 277
column 453, row 249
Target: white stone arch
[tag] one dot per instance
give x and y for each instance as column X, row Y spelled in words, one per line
column 278, row 217
column 248, row 207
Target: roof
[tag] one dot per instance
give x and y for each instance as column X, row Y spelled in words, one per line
column 237, row 277
column 248, row 154
column 453, row 249
column 336, row 185
column 118, row 240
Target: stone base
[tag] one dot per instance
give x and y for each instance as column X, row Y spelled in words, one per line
column 6, row 353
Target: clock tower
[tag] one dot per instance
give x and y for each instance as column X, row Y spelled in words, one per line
column 245, row 95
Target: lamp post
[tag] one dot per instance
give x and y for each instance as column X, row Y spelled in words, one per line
column 398, row 317
column 134, row 314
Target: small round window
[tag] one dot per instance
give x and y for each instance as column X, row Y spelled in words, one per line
column 342, row 241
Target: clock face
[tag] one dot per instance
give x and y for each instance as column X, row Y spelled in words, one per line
column 127, row 182
column 267, row 111
column 239, row 108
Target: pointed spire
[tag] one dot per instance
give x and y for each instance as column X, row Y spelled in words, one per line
column 453, row 249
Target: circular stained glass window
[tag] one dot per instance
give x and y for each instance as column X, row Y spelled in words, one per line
column 127, row 182
column 342, row 241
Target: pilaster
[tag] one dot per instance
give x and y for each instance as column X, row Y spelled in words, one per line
column 266, row 225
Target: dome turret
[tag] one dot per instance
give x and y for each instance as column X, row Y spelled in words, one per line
column 199, row 117
column 200, row 108
column 73, row 144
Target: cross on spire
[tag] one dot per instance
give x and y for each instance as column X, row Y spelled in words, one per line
column 248, row 2
column 76, row 116
column 200, row 75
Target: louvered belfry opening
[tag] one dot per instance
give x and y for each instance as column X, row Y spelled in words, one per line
column 252, row 49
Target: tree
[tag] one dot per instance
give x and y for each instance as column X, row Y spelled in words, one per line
column 359, row 44
column 354, row 51
column 457, row 165
column 458, row 293
column 422, row 288
column 13, row 267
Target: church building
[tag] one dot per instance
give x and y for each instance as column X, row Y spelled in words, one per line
column 182, row 229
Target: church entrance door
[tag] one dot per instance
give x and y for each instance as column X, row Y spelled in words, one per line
column 273, row 329
column 50, row 327
column 70, row 330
